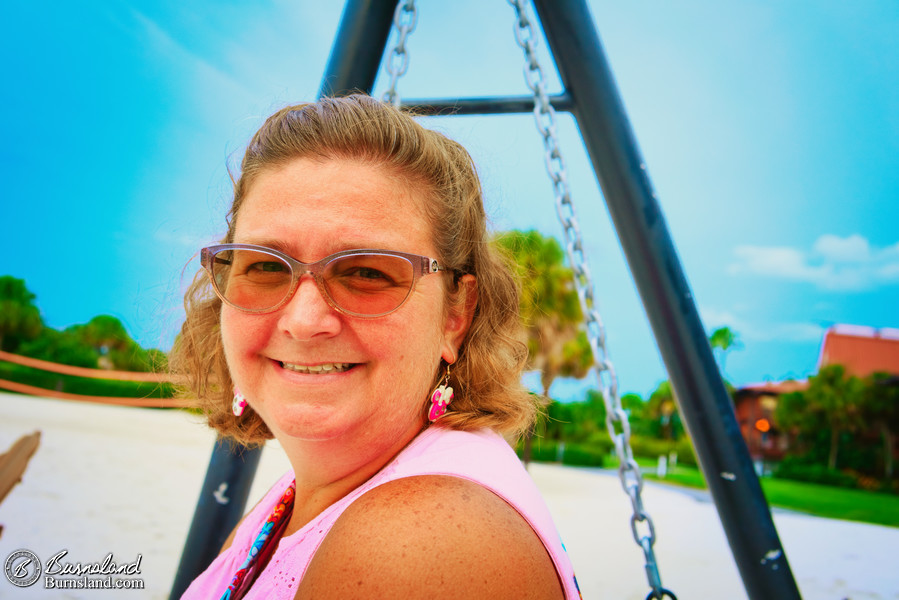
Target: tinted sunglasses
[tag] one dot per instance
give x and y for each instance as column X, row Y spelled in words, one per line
column 360, row 283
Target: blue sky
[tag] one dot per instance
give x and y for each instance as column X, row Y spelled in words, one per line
column 770, row 130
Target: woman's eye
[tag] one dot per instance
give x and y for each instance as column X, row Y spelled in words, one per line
column 367, row 273
column 269, row 267
column 363, row 277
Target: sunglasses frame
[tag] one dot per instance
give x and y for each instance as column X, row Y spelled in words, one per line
column 421, row 266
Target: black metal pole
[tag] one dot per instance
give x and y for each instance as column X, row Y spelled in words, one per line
column 704, row 401
column 219, row 508
column 358, row 47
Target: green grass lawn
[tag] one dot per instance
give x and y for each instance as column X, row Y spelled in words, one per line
column 824, row 501
column 644, row 463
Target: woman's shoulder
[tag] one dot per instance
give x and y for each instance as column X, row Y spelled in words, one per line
column 431, row 535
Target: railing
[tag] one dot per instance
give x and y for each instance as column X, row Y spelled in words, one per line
column 52, row 367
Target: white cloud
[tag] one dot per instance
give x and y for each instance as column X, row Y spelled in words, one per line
column 751, row 331
column 832, row 263
column 777, row 261
column 854, row 248
column 889, row 271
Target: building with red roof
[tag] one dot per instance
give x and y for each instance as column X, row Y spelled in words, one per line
column 861, row 350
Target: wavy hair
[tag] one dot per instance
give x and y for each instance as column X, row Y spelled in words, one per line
column 487, row 372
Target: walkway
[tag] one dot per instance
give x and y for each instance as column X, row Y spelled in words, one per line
column 125, row 480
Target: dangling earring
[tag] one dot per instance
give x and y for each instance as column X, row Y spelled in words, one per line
column 239, row 404
column 440, row 398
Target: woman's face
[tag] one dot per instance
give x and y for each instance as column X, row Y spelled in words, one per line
column 309, row 210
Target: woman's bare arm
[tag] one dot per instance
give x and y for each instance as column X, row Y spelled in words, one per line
column 431, row 536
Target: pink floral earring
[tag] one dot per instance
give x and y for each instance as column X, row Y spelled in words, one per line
column 440, row 398
column 239, row 404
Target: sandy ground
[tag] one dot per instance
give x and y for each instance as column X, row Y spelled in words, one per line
column 125, row 480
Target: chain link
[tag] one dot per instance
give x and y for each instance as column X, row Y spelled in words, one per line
column 404, row 20
column 616, row 419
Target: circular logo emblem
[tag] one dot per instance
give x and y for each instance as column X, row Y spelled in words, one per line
column 22, row 568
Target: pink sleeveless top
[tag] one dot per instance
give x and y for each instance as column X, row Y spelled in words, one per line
column 482, row 457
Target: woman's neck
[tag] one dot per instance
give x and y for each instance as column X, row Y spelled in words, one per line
column 326, row 471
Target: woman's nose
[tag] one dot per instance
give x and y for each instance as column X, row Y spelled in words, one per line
column 307, row 314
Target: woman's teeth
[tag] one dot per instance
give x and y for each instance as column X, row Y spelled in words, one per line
column 318, row 369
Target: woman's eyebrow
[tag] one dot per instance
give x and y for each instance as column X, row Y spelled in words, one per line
column 272, row 243
column 292, row 250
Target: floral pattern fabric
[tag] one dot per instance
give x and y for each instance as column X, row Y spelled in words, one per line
column 264, row 544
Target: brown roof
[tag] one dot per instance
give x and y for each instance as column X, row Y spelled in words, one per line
column 861, row 350
column 774, row 388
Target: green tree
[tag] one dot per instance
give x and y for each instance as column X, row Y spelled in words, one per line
column 637, row 410
column 798, row 420
column 589, row 417
column 832, row 402
column 838, row 396
column 661, row 410
column 61, row 347
column 20, row 319
column 117, row 350
column 550, row 309
column 157, row 361
column 880, row 409
column 556, row 422
column 105, row 333
column 575, row 422
column 634, row 405
column 103, row 341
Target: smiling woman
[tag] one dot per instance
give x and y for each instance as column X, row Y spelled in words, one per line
column 370, row 328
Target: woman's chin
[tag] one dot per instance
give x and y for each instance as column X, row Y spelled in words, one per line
column 298, row 418
column 330, row 424
column 308, row 428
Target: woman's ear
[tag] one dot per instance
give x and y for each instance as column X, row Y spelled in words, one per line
column 459, row 317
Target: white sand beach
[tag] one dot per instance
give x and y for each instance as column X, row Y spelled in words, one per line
column 125, row 480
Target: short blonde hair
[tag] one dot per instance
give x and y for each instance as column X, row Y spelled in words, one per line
column 487, row 374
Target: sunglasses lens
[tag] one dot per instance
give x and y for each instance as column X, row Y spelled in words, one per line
column 250, row 279
column 369, row 284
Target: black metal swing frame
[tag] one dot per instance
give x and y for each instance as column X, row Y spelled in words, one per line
column 591, row 95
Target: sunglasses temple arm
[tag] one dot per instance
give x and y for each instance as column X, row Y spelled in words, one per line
column 430, row 265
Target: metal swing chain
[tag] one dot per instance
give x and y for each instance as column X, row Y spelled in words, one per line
column 628, row 471
column 404, row 20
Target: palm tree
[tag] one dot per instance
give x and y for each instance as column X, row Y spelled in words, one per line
column 550, row 309
column 723, row 340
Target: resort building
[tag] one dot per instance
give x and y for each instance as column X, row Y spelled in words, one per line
column 862, row 351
